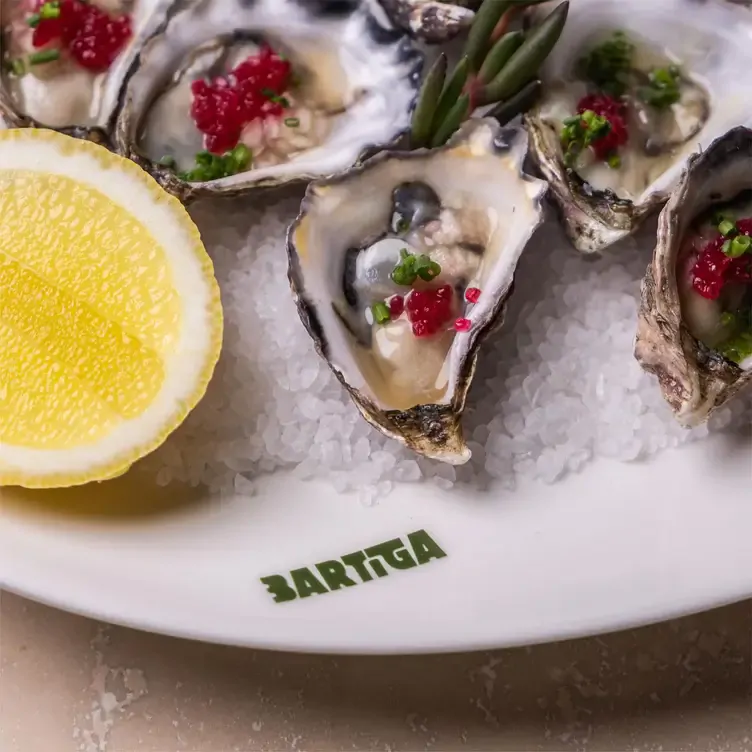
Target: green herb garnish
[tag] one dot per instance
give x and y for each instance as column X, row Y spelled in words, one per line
column 495, row 69
column 272, row 96
column 614, row 161
column 380, row 312
column 50, row 10
column 213, row 167
column 167, row 161
column 33, row 20
column 608, row 65
column 412, row 266
column 45, row 56
column 738, row 246
column 663, row 89
column 738, row 347
column 726, row 227
column 16, row 66
column 292, row 122
column 579, row 132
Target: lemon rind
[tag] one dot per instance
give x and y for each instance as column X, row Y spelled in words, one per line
column 116, row 463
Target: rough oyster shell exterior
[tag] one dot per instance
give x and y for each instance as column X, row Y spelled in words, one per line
column 707, row 37
column 695, row 380
column 387, row 64
column 148, row 17
column 431, row 21
column 433, row 430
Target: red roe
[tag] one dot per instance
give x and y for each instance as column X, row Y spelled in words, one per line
column 93, row 37
column 713, row 268
column 429, row 310
column 462, row 325
column 472, row 294
column 612, row 110
column 396, row 306
column 251, row 91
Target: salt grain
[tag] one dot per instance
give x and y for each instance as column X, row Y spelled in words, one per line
column 555, row 389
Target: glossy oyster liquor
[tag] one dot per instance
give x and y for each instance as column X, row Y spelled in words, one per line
column 214, row 96
column 302, row 92
column 648, row 82
column 385, row 284
column 695, row 327
column 64, row 61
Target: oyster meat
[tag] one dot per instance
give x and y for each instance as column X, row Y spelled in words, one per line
column 631, row 90
column 400, row 268
column 234, row 94
column 695, row 325
column 64, row 60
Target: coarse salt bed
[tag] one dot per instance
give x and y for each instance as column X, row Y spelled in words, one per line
column 559, row 380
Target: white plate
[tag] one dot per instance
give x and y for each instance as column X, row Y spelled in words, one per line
column 616, row 546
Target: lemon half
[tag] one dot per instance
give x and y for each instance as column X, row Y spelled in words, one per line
column 110, row 315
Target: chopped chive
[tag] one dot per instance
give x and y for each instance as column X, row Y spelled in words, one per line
column 272, row 96
column 738, row 246
column 719, row 217
column 728, row 319
column 292, row 122
column 380, row 312
column 725, row 227
column 33, row 20
column 241, row 156
column 614, row 161
column 204, row 158
column 17, row 66
column 607, row 65
column 411, row 267
column 167, row 161
column 49, row 10
column 45, row 56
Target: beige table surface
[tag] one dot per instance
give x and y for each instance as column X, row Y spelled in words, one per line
column 69, row 684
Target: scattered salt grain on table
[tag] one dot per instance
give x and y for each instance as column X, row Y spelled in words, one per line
column 555, row 389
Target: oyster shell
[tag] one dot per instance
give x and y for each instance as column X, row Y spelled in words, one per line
column 431, row 21
column 358, row 82
column 468, row 207
column 675, row 322
column 62, row 94
column 599, row 205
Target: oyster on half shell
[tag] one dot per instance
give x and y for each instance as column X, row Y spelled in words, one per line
column 680, row 82
column 61, row 93
column 401, row 268
column 352, row 85
column 699, row 346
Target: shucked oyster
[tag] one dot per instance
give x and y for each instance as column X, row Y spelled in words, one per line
column 631, row 90
column 402, row 267
column 695, row 328
column 233, row 94
column 63, row 61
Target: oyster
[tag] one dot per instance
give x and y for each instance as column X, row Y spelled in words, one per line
column 432, row 21
column 301, row 89
column 401, row 267
column 695, row 324
column 631, row 90
column 58, row 70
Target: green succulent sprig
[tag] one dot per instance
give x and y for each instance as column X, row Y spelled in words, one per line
column 498, row 67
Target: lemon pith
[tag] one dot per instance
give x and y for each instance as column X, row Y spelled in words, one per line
column 110, row 321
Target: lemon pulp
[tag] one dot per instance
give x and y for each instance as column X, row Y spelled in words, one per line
column 98, row 266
